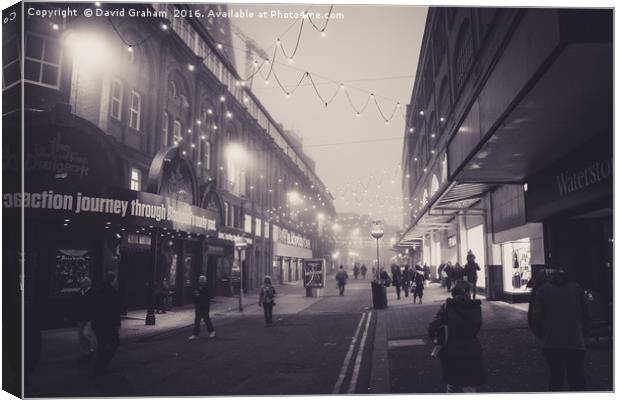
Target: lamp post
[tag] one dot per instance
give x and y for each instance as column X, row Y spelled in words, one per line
column 377, row 233
column 240, row 245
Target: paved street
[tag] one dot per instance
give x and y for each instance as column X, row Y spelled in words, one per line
column 302, row 353
column 309, row 351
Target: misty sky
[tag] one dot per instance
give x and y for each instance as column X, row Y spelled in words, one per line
column 373, row 49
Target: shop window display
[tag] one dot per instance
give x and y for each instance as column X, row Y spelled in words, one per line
column 517, row 265
column 71, row 266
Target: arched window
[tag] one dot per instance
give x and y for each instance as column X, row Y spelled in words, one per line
column 463, row 55
column 172, row 90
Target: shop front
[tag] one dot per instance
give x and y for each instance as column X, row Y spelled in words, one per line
column 573, row 199
column 289, row 251
column 81, row 222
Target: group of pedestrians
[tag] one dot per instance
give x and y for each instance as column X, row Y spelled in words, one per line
column 558, row 315
column 357, row 270
column 449, row 274
column 406, row 280
column 98, row 321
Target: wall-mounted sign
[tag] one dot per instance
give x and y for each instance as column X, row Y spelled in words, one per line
column 314, row 273
column 292, row 239
column 452, row 241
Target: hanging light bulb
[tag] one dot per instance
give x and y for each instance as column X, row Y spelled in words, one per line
column 220, row 46
column 291, row 60
column 323, row 34
column 222, row 99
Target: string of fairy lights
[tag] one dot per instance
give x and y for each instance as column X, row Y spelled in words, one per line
column 352, row 193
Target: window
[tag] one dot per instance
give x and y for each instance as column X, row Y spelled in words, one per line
column 207, row 156
column 172, row 89
column 135, row 179
column 11, row 73
column 42, row 61
column 116, row 99
column 176, row 131
column 164, row 128
column 463, row 56
column 134, row 110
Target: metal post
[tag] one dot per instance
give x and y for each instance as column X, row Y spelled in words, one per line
column 150, row 311
column 240, row 282
column 377, row 270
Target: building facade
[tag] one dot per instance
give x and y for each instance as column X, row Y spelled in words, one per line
column 151, row 111
column 508, row 145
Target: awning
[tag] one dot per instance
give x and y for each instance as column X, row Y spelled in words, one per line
column 455, row 198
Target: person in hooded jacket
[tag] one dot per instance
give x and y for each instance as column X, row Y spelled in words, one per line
column 559, row 317
column 267, row 300
column 461, row 354
column 471, row 271
column 418, row 281
column 106, row 321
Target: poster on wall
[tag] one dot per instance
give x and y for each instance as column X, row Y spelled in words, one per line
column 71, row 266
column 314, row 273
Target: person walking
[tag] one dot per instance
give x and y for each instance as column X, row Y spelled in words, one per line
column 106, row 321
column 457, row 272
column 427, row 272
column 407, row 279
column 341, row 278
column 455, row 329
column 471, row 271
column 418, row 281
column 202, row 305
column 396, row 279
column 384, row 277
column 448, row 273
column 84, row 308
column 160, row 297
column 267, row 300
column 441, row 275
column 560, row 316
column 356, row 271
column 363, row 270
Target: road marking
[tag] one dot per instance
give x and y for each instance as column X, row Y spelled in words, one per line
column 405, row 343
column 358, row 360
column 347, row 359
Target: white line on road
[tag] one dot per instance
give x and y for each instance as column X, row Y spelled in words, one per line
column 358, row 359
column 347, row 359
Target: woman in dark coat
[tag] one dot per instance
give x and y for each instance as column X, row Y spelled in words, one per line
column 461, row 356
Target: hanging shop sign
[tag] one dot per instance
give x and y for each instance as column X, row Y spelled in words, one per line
column 314, row 273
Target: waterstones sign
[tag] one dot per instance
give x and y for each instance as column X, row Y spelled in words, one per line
column 139, row 208
column 291, row 239
column 583, row 176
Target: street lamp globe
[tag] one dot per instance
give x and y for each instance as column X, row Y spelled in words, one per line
column 377, row 230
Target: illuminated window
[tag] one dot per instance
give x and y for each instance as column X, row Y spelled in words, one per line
column 42, row 61
column 116, row 99
column 11, row 73
column 134, row 110
column 164, row 128
column 176, row 131
column 135, row 179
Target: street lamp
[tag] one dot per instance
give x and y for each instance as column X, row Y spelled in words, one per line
column 240, row 245
column 377, row 233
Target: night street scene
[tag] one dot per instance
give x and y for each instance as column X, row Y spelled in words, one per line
column 293, row 199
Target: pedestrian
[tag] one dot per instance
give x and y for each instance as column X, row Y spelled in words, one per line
column 84, row 309
column 418, row 281
column 363, row 270
column 341, row 278
column 356, row 271
column 448, row 273
column 457, row 272
column 160, row 297
column 454, row 329
column 440, row 274
column 374, row 272
column 407, row 279
column 106, row 321
column 267, row 300
column 471, row 271
column 427, row 272
column 396, row 279
column 384, row 277
column 202, row 305
column 560, row 316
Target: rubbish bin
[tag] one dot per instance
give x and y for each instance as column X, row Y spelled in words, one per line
column 379, row 295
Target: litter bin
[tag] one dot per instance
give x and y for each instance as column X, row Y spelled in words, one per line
column 379, row 295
